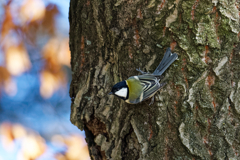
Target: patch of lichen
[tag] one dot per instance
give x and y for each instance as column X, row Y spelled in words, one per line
column 186, row 12
column 159, row 31
column 226, row 35
column 167, row 127
column 222, row 83
column 183, row 36
column 150, row 32
column 201, row 116
column 191, row 137
column 235, row 65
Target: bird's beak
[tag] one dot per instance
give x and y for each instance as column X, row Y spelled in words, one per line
column 110, row 93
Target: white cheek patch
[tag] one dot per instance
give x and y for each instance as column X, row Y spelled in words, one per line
column 122, row 92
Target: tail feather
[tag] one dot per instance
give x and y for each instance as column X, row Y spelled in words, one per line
column 167, row 60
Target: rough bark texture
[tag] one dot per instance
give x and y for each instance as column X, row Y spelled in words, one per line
column 195, row 116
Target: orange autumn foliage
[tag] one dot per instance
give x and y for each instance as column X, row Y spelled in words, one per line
column 21, row 29
column 32, row 145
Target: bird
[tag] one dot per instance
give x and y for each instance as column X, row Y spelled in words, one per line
column 141, row 87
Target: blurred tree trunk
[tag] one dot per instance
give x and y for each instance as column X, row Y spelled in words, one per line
column 195, row 116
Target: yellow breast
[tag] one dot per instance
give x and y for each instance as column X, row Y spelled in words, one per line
column 135, row 89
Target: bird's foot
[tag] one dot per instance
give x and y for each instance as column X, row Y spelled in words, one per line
column 160, row 77
column 152, row 101
column 139, row 70
column 162, row 84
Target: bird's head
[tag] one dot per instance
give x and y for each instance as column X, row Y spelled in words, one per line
column 120, row 90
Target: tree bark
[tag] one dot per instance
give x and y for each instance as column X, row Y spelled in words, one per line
column 195, row 116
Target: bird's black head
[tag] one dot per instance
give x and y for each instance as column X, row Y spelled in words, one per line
column 120, row 90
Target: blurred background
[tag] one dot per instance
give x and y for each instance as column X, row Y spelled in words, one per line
column 34, row 83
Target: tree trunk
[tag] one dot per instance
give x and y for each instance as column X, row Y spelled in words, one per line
column 195, row 116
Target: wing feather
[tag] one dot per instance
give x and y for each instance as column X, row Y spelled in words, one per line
column 150, row 85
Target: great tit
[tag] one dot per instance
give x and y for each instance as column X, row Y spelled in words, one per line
column 139, row 88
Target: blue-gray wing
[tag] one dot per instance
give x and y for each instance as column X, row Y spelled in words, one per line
column 150, row 85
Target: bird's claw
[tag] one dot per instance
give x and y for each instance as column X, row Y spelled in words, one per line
column 162, row 85
column 139, row 70
column 160, row 77
column 152, row 101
